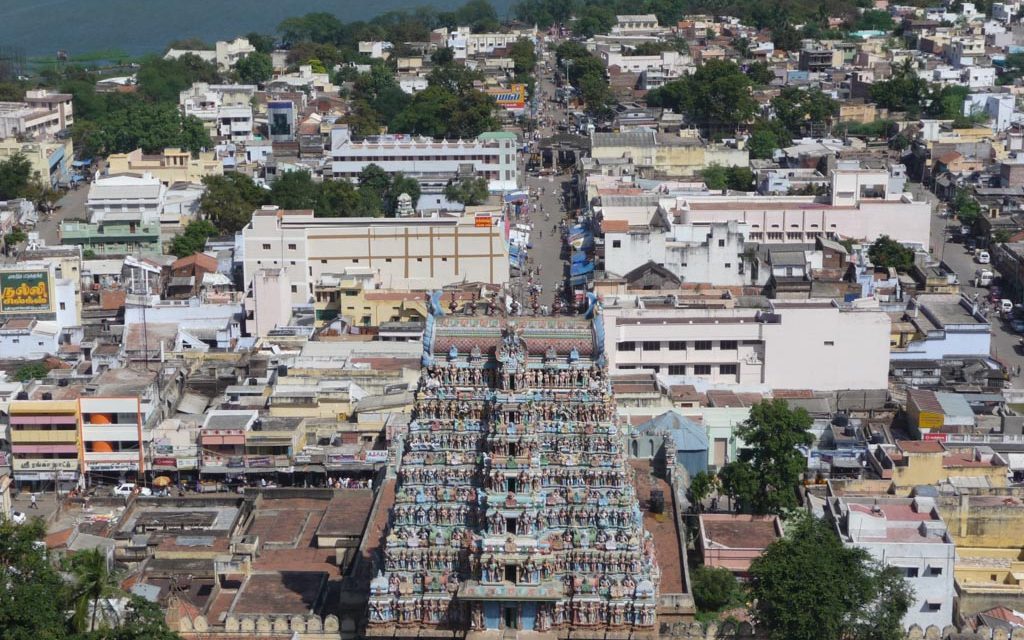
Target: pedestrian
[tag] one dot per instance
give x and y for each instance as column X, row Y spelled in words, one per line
column 32, row 502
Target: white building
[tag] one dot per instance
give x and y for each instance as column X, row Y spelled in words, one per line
column 492, row 155
column 396, row 253
column 225, row 110
column 378, row 49
column 655, row 70
column 465, row 44
column 864, row 205
column 1001, row 107
column 126, row 197
column 808, row 344
column 635, row 24
column 225, row 54
column 909, row 534
column 946, row 326
column 41, row 115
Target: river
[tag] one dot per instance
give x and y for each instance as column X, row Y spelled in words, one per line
column 38, row 28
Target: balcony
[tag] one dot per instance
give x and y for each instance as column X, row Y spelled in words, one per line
column 38, row 436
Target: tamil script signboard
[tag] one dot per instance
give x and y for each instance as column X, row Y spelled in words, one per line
column 24, row 291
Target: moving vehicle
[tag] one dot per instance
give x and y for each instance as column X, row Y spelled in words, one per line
column 983, row 257
column 128, row 488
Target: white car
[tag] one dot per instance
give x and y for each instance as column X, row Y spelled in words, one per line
column 18, row 517
column 128, row 488
column 983, row 257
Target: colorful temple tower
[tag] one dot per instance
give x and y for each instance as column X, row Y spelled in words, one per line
column 515, row 507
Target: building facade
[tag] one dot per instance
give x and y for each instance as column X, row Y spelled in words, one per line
column 492, row 155
column 44, row 440
column 395, row 253
column 808, row 344
column 515, row 509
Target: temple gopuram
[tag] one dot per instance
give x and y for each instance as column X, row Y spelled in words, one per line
column 515, row 508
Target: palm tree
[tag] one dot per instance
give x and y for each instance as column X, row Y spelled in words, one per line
column 93, row 581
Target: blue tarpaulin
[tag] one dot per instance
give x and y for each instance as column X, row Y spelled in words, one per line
column 578, row 269
column 579, row 256
column 82, row 163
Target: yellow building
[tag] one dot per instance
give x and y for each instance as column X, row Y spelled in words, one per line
column 170, row 166
column 910, row 463
column 49, row 160
column 44, row 440
column 308, row 397
column 673, row 156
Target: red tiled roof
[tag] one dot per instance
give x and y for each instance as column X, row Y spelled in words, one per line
column 614, row 226
column 920, row 446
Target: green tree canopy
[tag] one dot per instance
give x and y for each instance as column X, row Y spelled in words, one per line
column 797, row 108
column 809, row 586
column 765, row 477
column 886, row 252
column 717, row 177
column 468, row 191
column 294, row 190
column 15, row 177
column 255, row 68
column 193, row 239
column 229, row 201
column 163, row 80
column 966, row 207
column 904, row 91
column 766, row 136
column 714, row 588
column 716, row 97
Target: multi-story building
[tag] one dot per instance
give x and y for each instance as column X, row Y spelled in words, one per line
column 225, row 54
column 124, row 216
column 466, row 44
column 395, row 253
column 44, row 439
column 41, row 115
column 49, row 159
column 111, row 436
column 492, row 155
column 169, row 166
column 910, row 535
column 224, row 109
column 798, row 344
column 536, row 492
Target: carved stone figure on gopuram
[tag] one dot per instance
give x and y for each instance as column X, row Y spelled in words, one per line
column 515, row 507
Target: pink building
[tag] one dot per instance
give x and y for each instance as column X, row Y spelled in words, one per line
column 733, row 541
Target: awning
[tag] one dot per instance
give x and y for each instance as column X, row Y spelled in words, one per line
column 1016, row 461
column 579, row 256
column 82, row 163
column 582, row 269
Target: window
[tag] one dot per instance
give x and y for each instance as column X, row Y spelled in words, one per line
column 323, row 262
column 721, row 243
column 677, row 345
column 616, row 244
column 933, row 606
column 702, row 345
column 910, row 572
column 727, row 369
column 63, row 306
column 387, row 259
column 295, row 289
column 702, row 369
column 728, row 265
column 266, row 247
column 933, row 572
column 830, row 343
column 652, row 346
column 677, row 370
column 727, row 345
column 291, row 246
column 627, row 346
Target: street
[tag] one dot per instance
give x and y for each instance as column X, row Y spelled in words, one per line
column 1004, row 339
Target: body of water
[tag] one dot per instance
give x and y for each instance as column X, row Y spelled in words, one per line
column 41, row 27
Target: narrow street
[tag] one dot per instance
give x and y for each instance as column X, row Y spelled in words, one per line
column 1005, row 341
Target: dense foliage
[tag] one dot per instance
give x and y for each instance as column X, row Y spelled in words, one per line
column 809, row 586
column 586, row 73
column 468, row 191
column 886, row 252
column 765, row 477
column 714, row 589
column 36, row 601
column 716, row 97
column 193, row 239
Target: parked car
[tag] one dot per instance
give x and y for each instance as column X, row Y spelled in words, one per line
column 970, row 244
column 128, row 488
column 1006, row 306
column 1017, row 325
column 18, row 517
column 983, row 257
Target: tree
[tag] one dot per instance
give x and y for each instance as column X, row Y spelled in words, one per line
column 904, row 91
column 255, row 68
column 262, row 43
column 766, row 136
column 716, row 97
column 468, row 191
column 702, row 486
column 31, row 590
column 229, row 201
column 965, row 207
column 523, row 55
column 338, row 198
column 193, row 239
column 15, row 237
column 796, row 108
column 294, row 190
column 875, row 20
column 810, row 586
column 886, row 252
column 34, row 371
column 717, row 177
column 15, row 173
column 162, row 80
column 93, row 580
column 401, row 184
column 714, row 588
column 765, row 476
column 760, row 73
